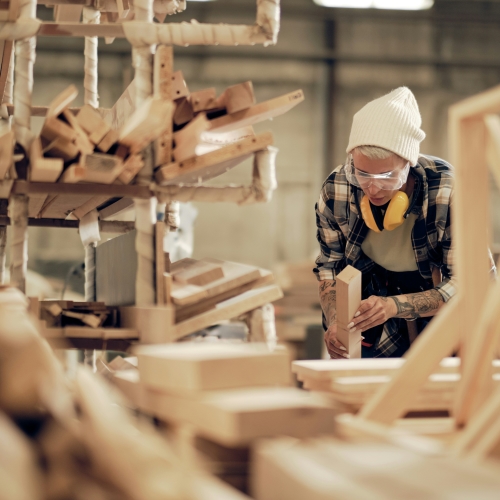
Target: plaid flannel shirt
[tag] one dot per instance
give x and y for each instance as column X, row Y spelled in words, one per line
column 341, row 231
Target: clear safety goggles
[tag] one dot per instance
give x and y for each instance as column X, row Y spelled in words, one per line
column 388, row 181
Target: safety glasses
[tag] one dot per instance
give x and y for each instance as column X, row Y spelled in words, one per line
column 388, row 181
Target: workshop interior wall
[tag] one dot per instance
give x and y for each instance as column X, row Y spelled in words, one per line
column 340, row 63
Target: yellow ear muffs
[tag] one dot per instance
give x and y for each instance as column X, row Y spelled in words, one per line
column 394, row 215
column 368, row 215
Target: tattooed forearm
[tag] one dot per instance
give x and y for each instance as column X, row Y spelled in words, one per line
column 328, row 300
column 418, row 305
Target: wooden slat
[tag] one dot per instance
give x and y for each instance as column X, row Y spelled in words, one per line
column 210, row 165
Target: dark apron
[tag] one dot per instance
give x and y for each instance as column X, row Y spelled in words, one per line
column 384, row 283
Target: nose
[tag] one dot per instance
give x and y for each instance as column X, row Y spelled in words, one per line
column 372, row 190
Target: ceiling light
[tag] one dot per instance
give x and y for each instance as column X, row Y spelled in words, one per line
column 377, row 4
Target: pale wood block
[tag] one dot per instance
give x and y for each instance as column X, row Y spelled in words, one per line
column 108, row 140
column 62, row 101
column 146, row 124
column 53, row 129
column 128, row 383
column 348, row 286
column 100, row 167
column 188, row 367
column 239, row 416
column 239, row 97
column 203, row 100
column 154, row 324
column 43, row 169
column 183, row 112
column 6, row 152
column 196, row 272
column 132, row 166
column 90, row 120
column 82, row 141
column 61, row 148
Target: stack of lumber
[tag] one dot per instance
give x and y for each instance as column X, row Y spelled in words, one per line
column 300, row 306
column 352, row 382
column 229, row 393
column 286, row 469
column 198, row 293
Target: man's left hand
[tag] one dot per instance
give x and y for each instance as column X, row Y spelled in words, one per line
column 373, row 312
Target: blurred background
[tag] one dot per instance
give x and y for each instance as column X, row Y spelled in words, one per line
column 341, row 58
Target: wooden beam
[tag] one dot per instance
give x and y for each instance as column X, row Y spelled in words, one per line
column 104, row 226
column 111, row 190
column 6, row 59
column 257, row 113
column 348, row 286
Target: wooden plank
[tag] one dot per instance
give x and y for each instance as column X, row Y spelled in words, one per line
column 132, row 166
column 183, row 112
column 112, row 190
column 160, row 262
column 198, row 272
column 163, row 89
column 108, row 141
column 61, row 148
column 62, row 101
column 82, row 141
column 238, row 417
column 116, row 208
column 204, row 100
column 229, row 309
column 257, row 113
column 6, row 61
column 183, row 368
column 100, row 333
column 122, row 109
column 210, row 165
column 53, row 129
column 88, row 206
column 179, row 86
column 348, row 286
column 235, row 275
column 6, row 152
column 208, row 301
column 468, row 143
column 81, row 30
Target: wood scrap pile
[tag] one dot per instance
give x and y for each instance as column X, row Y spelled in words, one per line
column 67, row 438
column 61, row 313
column 352, row 382
column 230, row 394
column 300, row 306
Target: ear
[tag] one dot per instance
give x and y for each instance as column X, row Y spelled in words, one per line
column 371, row 215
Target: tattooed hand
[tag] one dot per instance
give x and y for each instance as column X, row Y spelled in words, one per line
column 334, row 347
column 372, row 312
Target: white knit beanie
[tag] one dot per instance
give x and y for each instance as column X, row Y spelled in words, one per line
column 391, row 122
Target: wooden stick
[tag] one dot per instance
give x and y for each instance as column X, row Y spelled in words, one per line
column 348, row 286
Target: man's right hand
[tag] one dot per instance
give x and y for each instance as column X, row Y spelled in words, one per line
column 334, row 347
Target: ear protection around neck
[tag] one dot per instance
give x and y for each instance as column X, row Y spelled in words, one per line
column 394, row 215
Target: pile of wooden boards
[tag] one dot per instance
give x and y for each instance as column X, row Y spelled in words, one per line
column 352, row 382
column 229, row 393
column 300, row 306
column 67, row 438
column 287, row 469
